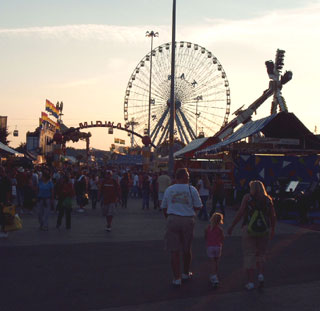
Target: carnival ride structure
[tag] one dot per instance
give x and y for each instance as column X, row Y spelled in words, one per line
column 242, row 116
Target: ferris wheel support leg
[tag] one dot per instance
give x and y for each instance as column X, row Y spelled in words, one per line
column 183, row 135
column 165, row 131
column 182, row 138
column 157, row 128
column 187, row 124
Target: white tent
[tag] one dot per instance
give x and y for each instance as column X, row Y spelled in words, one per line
column 7, row 149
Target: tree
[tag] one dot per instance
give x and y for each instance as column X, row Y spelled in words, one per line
column 4, row 135
column 79, row 157
column 22, row 148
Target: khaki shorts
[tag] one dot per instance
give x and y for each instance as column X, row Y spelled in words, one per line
column 107, row 209
column 254, row 249
column 179, row 233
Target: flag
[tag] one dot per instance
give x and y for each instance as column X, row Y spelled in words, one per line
column 45, row 119
column 50, row 107
column 44, row 116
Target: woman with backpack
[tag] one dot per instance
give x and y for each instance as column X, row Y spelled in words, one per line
column 258, row 224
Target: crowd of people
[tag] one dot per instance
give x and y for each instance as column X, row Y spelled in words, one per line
column 44, row 189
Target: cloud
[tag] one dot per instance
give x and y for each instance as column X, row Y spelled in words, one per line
column 270, row 25
column 121, row 34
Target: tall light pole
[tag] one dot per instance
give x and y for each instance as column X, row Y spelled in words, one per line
column 172, row 96
column 197, row 116
column 151, row 34
column 132, row 123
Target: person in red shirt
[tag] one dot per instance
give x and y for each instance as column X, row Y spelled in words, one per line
column 110, row 193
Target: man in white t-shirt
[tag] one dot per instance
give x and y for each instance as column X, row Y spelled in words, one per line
column 179, row 205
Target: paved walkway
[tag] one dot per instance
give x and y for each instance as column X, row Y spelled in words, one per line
column 131, row 224
column 90, row 269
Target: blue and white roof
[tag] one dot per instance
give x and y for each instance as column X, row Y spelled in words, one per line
column 248, row 129
column 9, row 150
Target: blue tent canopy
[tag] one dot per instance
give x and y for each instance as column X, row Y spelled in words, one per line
column 281, row 125
column 246, row 130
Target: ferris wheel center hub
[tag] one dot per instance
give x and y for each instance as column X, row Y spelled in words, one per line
column 178, row 103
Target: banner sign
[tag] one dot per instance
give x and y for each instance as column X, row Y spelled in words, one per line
column 119, row 141
column 102, row 124
column 3, row 122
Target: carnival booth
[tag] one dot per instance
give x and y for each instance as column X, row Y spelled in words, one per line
column 270, row 148
column 278, row 150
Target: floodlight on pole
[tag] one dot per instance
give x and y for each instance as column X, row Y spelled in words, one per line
column 151, row 34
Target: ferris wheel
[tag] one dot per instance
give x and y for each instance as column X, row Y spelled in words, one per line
column 202, row 93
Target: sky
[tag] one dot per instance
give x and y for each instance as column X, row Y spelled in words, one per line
column 83, row 53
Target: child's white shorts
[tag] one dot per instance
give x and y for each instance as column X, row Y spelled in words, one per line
column 214, row 251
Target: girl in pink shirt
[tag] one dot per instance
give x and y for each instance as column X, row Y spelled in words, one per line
column 214, row 240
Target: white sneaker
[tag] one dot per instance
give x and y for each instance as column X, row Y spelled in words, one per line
column 108, row 229
column 249, row 286
column 185, row 276
column 176, row 283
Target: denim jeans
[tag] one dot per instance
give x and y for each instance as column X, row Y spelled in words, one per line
column 94, row 198
column 135, row 192
column 44, row 211
column 67, row 211
column 124, row 198
column 145, row 199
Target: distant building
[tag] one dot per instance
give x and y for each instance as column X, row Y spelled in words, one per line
column 39, row 141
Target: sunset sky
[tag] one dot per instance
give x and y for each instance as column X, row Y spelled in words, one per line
column 83, row 53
